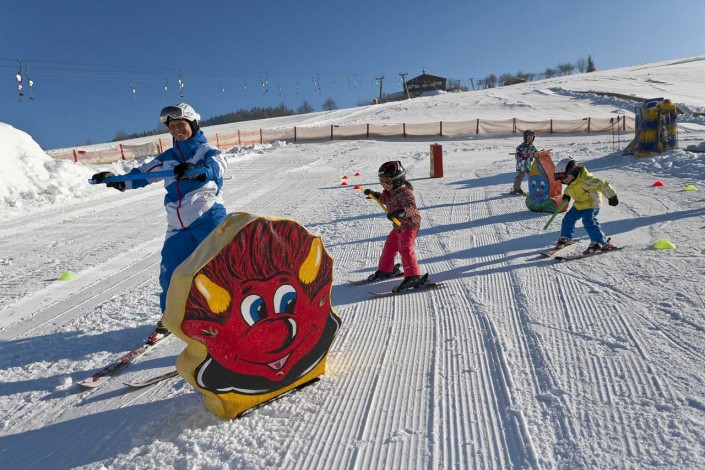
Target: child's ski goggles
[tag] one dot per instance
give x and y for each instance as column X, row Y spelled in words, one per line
column 386, row 180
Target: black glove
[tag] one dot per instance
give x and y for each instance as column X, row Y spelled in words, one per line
column 100, row 177
column 181, row 169
column 566, row 197
column 374, row 193
column 397, row 214
column 613, row 201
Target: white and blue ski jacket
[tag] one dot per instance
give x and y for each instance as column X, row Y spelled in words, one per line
column 187, row 199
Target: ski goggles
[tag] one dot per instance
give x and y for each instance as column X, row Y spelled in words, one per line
column 386, row 180
column 171, row 112
column 559, row 176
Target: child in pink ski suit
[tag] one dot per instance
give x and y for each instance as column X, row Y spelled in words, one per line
column 398, row 197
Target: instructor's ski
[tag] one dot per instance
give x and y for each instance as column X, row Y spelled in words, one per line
column 151, row 380
column 103, row 375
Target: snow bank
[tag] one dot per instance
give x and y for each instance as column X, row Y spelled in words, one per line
column 30, row 178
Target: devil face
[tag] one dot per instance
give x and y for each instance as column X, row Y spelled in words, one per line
column 266, row 327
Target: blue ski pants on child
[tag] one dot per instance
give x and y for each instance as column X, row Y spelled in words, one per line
column 592, row 225
column 179, row 245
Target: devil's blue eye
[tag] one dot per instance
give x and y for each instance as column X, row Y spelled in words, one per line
column 285, row 299
column 253, row 309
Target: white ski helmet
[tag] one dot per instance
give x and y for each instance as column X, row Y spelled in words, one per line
column 180, row 111
column 566, row 167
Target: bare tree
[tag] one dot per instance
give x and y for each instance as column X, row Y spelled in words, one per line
column 550, row 73
column 524, row 76
column 491, row 81
column 565, row 69
column 581, row 65
column 305, row 108
column 329, row 105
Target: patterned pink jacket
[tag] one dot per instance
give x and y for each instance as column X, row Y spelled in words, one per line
column 402, row 198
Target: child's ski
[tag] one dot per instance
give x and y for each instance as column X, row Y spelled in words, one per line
column 580, row 254
column 427, row 286
column 396, row 272
column 552, row 253
column 423, row 286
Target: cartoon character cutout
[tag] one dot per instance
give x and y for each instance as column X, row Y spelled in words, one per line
column 262, row 309
column 545, row 193
column 539, row 184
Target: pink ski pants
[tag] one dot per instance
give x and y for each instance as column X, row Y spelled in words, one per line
column 402, row 242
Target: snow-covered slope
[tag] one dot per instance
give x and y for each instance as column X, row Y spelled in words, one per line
column 517, row 362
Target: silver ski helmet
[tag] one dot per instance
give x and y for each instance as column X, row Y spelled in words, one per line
column 180, row 111
column 392, row 171
column 566, row 167
column 528, row 133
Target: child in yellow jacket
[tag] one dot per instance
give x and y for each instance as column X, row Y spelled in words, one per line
column 586, row 192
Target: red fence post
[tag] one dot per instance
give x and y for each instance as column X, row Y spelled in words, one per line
column 75, row 157
column 122, row 152
column 217, row 141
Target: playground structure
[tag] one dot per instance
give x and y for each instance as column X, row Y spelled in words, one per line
column 656, row 130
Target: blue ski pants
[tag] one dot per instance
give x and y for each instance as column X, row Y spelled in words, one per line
column 179, row 245
column 592, row 225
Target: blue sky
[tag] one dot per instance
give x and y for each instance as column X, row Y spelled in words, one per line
column 83, row 55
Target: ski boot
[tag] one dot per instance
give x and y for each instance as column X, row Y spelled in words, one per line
column 594, row 246
column 396, row 271
column 517, row 192
column 563, row 242
column 159, row 332
column 412, row 282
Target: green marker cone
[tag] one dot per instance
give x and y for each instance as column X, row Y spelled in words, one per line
column 664, row 244
column 67, row 276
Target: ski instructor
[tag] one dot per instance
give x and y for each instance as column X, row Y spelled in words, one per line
column 194, row 202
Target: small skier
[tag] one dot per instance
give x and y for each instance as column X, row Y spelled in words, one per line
column 193, row 202
column 524, row 156
column 587, row 192
column 398, row 197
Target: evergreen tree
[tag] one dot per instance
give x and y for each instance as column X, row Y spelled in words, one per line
column 590, row 65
